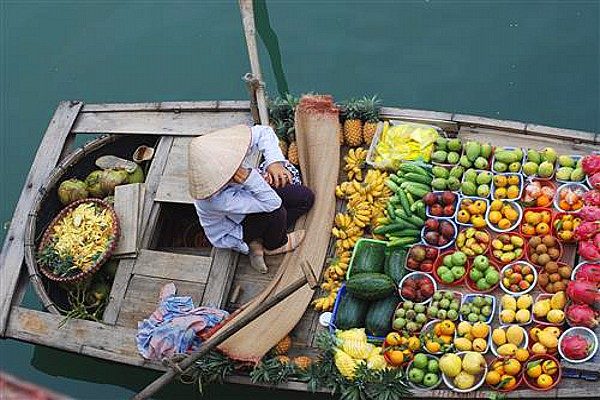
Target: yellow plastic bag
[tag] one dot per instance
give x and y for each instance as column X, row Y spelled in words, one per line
column 404, row 142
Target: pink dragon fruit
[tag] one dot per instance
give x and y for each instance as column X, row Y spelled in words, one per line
column 595, row 180
column 584, row 292
column 587, row 230
column 591, row 164
column 575, row 347
column 588, row 272
column 581, row 315
column 590, row 213
column 592, row 198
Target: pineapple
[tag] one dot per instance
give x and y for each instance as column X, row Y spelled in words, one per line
column 292, row 154
column 370, row 108
column 283, row 346
column 283, row 359
column 302, row 362
column 352, row 123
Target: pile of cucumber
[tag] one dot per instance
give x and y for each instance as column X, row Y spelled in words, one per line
column 405, row 214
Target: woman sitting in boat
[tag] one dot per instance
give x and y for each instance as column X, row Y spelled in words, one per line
column 240, row 207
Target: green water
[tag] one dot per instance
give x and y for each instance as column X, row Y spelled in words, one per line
column 536, row 61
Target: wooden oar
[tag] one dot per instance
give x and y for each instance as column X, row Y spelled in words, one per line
column 219, row 337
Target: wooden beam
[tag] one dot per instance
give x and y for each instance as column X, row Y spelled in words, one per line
column 48, row 154
column 165, row 265
column 123, row 275
column 220, row 278
column 476, row 121
column 174, row 189
column 565, row 134
column 185, row 123
column 127, row 204
column 177, row 106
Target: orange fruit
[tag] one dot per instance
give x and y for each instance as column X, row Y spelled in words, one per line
column 414, row 343
column 534, row 369
column 447, row 339
column 533, row 218
column 512, row 367
column 546, row 216
column 496, row 205
column 507, row 382
column 480, row 330
column 500, row 193
column 513, row 180
column 463, row 217
column 433, row 347
column 437, row 329
column 543, row 201
column 393, row 339
column 447, row 327
column 528, row 229
column 564, row 205
column 522, row 354
column 504, row 223
column 396, row 357
column 544, row 381
column 549, row 367
column 492, row 378
column 542, row 228
column 495, row 216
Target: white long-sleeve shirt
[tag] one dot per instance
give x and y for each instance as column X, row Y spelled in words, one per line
column 221, row 215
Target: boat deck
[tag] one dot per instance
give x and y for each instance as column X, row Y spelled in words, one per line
column 212, row 277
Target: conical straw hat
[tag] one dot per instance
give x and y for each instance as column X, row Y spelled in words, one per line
column 214, row 157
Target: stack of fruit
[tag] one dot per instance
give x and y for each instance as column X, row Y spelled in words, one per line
column 446, row 151
column 507, row 340
column 518, row 277
column 471, row 211
column 424, row 371
column 508, row 247
column 507, row 186
column 515, row 310
column 444, row 305
column 570, row 169
column 398, row 350
column 505, row 374
column 476, row 155
column 451, row 267
column 473, row 242
column 421, row 258
column 439, row 233
column 542, row 373
column 538, row 193
column 544, row 340
column 437, row 336
column 477, row 308
column 473, row 337
column 550, row 309
column 476, row 183
column 569, row 197
column 417, row 287
column 441, row 204
column 409, row 317
column 464, row 371
column 554, row 277
column 540, row 163
column 507, row 159
column 446, row 179
column 503, row 215
column 484, row 276
column 541, row 250
column 536, row 221
column 564, row 226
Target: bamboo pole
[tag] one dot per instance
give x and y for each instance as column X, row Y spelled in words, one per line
column 219, row 337
column 247, row 11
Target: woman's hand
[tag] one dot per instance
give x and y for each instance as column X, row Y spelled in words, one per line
column 277, row 175
column 241, row 175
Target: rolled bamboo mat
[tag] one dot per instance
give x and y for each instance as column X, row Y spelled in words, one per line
column 319, row 152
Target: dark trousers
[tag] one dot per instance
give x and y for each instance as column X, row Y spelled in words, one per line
column 271, row 227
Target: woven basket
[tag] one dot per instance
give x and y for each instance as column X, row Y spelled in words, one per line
column 112, row 243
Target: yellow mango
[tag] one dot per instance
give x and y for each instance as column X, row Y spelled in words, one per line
column 514, row 335
column 507, row 349
column 499, row 336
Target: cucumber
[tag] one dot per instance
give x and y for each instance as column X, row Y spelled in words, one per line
column 410, row 197
column 419, row 178
column 417, row 191
column 404, row 201
column 396, row 226
column 408, row 168
column 392, row 185
column 404, row 241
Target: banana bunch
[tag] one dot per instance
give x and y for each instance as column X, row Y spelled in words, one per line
column 345, row 231
column 360, row 211
column 371, row 187
column 326, row 303
column 355, row 163
column 338, row 266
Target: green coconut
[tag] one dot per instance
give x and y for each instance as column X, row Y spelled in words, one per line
column 94, row 185
column 136, row 176
column 111, row 178
column 72, row 190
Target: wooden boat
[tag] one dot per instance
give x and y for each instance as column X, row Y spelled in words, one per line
column 211, row 276
column 13, row 388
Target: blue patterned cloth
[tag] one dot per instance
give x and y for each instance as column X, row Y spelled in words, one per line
column 175, row 326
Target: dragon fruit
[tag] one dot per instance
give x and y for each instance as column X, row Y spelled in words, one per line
column 588, row 272
column 575, row 347
column 590, row 213
column 588, row 250
column 592, row 198
column 584, row 292
column 581, row 315
column 587, row 230
column 591, row 164
column 595, row 180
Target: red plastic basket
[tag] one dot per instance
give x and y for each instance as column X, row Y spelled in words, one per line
column 487, row 247
column 538, row 266
column 535, row 209
column 555, row 218
column 438, row 262
column 496, row 259
column 560, row 264
column 519, row 377
column 555, row 377
column 542, row 323
column 471, row 285
column 531, row 341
